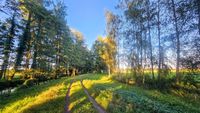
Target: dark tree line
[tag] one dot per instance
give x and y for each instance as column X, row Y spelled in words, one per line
column 34, row 36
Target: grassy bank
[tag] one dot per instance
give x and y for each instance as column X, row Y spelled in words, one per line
column 48, row 97
column 115, row 97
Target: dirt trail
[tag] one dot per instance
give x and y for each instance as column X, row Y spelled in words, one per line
column 67, row 110
column 95, row 104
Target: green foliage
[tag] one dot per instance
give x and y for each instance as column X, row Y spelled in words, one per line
column 9, row 33
column 79, row 100
column 115, row 97
column 119, row 98
column 192, row 80
column 137, row 102
column 124, row 78
column 30, row 82
column 98, row 63
column 4, row 84
column 49, row 98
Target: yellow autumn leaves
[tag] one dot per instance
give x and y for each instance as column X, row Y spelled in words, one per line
column 107, row 52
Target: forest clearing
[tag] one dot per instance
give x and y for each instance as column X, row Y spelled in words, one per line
column 99, row 56
column 113, row 96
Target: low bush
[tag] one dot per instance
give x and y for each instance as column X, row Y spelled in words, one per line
column 52, row 76
column 4, row 85
column 10, row 83
column 127, row 101
column 146, row 81
column 124, row 78
column 15, row 83
column 41, row 77
column 191, row 79
column 30, row 82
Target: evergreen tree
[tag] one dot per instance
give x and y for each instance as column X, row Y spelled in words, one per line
column 11, row 6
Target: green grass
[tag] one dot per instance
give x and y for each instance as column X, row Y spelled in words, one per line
column 79, row 102
column 47, row 98
column 37, row 99
column 115, row 97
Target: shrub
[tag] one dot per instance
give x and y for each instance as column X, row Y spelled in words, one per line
column 15, row 83
column 60, row 72
column 149, row 82
column 52, row 75
column 8, row 84
column 191, row 80
column 123, row 78
column 165, row 83
column 30, row 82
column 4, row 85
column 41, row 77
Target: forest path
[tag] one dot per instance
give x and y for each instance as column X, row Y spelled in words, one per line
column 67, row 98
column 97, row 106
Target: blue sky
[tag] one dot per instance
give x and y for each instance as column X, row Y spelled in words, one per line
column 88, row 17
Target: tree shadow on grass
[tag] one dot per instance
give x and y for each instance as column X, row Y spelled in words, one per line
column 127, row 99
column 51, row 106
column 57, row 105
column 107, row 94
column 29, row 92
column 83, row 104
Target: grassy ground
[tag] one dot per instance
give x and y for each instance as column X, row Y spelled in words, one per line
column 79, row 102
column 115, row 97
column 45, row 98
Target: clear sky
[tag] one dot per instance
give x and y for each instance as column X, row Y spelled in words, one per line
column 88, row 17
